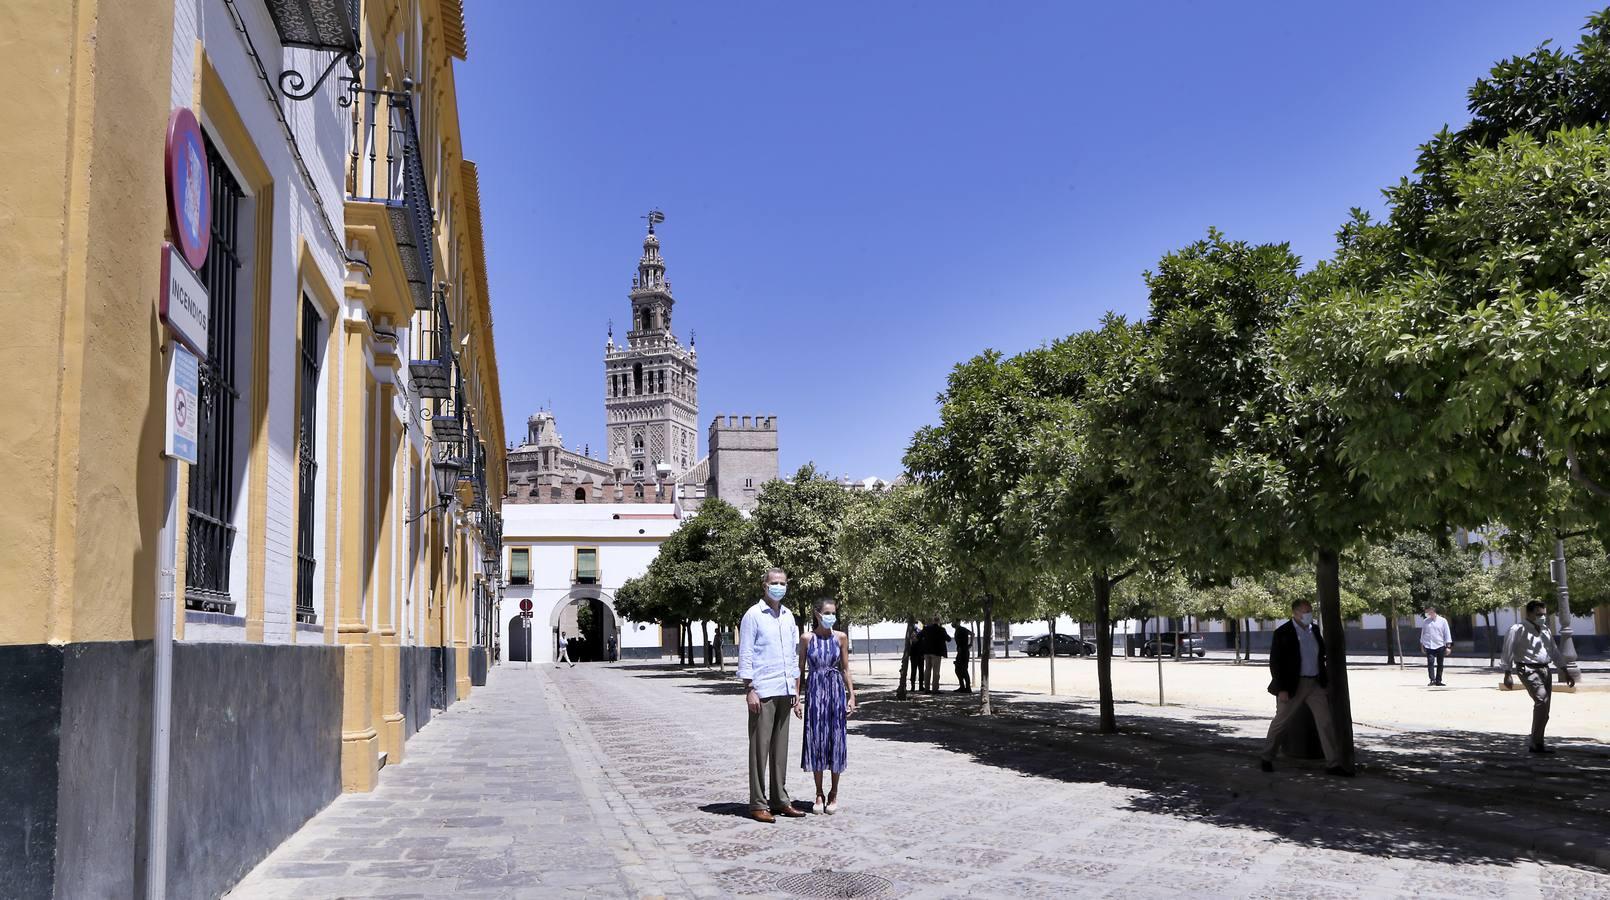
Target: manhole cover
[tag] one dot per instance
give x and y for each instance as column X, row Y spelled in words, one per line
column 823, row 883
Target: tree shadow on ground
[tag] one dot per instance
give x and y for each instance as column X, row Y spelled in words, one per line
column 1203, row 769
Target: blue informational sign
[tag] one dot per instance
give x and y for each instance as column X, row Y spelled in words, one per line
column 184, row 404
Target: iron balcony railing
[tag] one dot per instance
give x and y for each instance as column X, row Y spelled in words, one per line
column 386, row 167
column 430, row 367
column 586, row 576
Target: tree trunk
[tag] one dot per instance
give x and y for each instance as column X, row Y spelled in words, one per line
column 1051, row 626
column 1391, row 626
column 1492, row 645
column 989, row 650
column 1104, row 626
column 721, row 652
column 1328, row 581
column 704, row 632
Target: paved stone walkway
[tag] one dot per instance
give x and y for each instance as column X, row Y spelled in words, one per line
column 629, row 781
column 491, row 802
column 943, row 812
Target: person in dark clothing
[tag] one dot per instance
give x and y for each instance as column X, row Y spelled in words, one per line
column 964, row 649
column 914, row 676
column 1297, row 664
column 933, row 641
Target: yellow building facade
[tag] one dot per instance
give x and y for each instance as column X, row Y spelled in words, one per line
column 189, row 669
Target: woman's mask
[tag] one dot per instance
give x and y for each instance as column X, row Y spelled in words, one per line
column 828, row 619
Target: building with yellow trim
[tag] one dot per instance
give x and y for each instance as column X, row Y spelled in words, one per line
column 335, row 551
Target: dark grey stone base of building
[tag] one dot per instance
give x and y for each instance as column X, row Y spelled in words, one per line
column 414, row 677
column 256, row 751
column 443, row 677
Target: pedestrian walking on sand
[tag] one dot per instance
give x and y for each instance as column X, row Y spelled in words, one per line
column 1436, row 640
column 914, row 658
column 964, row 649
column 768, row 664
column 1528, row 649
column 829, row 701
column 1297, row 664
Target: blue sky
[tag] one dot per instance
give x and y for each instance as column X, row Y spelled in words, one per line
column 859, row 195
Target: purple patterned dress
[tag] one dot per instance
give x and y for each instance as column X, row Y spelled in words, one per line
column 824, row 707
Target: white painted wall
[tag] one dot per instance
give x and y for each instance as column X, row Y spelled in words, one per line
column 320, row 135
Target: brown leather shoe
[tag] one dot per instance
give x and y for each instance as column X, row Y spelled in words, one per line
column 762, row 815
column 789, row 811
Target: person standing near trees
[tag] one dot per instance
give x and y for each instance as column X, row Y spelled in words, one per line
column 932, row 642
column 1436, row 640
column 1530, row 648
column 768, row 664
column 829, row 701
column 964, row 648
column 1297, row 662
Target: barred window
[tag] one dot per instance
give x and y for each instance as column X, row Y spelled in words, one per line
column 211, row 532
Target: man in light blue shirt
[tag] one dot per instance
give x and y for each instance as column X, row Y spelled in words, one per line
column 1435, row 640
column 768, row 664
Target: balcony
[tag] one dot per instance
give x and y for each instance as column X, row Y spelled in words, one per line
column 430, row 369
column 586, row 576
column 385, row 172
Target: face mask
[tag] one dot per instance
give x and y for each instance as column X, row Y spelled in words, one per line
column 776, row 591
column 1307, row 619
column 828, row 619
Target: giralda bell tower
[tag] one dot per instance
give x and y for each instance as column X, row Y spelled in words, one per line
column 651, row 393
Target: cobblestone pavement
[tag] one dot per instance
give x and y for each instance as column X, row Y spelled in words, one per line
column 629, row 781
column 490, row 802
column 938, row 818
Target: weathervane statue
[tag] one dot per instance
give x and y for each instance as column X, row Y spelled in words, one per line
column 654, row 217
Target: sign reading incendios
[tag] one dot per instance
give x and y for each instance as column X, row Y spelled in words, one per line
column 184, row 306
column 184, row 409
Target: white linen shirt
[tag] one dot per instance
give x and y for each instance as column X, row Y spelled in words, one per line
column 1434, row 634
column 1529, row 645
column 768, row 650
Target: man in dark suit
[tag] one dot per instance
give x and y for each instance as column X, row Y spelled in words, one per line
column 1297, row 664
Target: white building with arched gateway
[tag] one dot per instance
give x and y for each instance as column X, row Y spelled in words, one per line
column 569, row 560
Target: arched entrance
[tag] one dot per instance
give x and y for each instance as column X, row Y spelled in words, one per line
column 522, row 640
column 587, row 618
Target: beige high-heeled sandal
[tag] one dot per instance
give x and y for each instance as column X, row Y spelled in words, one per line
column 821, row 804
column 832, row 806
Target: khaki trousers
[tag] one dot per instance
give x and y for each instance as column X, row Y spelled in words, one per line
column 1539, row 682
column 1309, row 692
column 930, row 670
column 768, row 745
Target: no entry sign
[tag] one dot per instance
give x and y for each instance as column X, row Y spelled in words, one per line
column 525, row 605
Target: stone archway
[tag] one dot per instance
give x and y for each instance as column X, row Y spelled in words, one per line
column 522, row 640
column 588, row 618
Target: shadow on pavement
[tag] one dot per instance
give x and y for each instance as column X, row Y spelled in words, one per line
column 1448, row 796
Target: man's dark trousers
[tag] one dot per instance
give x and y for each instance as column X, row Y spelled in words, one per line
column 963, row 676
column 1434, row 663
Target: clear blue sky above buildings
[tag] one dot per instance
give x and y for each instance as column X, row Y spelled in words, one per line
column 859, row 195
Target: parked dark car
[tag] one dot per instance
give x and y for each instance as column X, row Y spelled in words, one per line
column 1189, row 644
column 1067, row 645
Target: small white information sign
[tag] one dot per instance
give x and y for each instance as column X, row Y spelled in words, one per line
column 184, row 301
column 184, row 406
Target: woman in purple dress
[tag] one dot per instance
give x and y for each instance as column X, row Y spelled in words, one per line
column 824, row 657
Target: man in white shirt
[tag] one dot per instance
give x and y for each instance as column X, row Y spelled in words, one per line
column 768, row 664
column 1528, row 650
column 1435, row 640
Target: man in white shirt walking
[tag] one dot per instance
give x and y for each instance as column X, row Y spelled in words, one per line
column 1435, row 640
column 768, row 664
column 1528, row 650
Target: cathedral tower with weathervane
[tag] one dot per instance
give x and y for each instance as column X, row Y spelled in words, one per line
column 651, row 390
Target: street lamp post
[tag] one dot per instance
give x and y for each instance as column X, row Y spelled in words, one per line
column 1565, row 631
